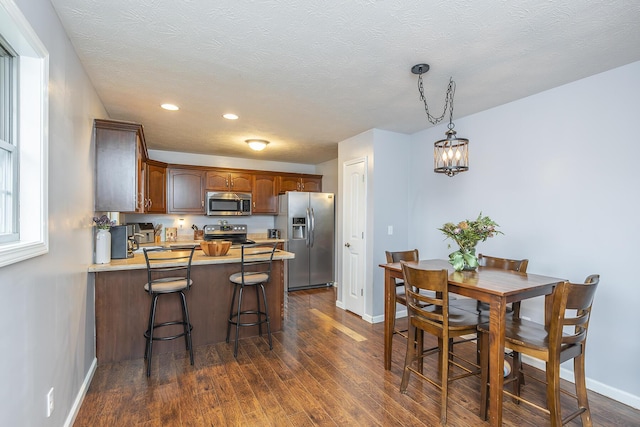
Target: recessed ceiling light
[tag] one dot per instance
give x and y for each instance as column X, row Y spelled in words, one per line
column 230, row 116
column 170, row 107
column 257, row 144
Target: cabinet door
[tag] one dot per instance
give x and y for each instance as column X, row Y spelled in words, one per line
column 241, row 181
column 119, row 167
column 288, row 183
column 186, row 191
column 265, row 196
column 311, row 184
column 156, row 188
column 217, row 180
column 141, row 201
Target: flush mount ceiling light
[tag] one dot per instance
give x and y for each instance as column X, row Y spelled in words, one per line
column 257, row 144
column 230, row 116
column 450, row 155
column 170, row 107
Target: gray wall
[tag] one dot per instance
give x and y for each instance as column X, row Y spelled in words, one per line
column 46, row 311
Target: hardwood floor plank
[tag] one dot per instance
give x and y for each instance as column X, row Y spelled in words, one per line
column 316, row 375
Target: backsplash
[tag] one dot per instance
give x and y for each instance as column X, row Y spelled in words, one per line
column 256, row 224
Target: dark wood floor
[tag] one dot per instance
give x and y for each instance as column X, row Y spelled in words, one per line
column 325, row 369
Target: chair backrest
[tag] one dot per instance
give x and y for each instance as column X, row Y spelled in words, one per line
column 519, row 265
column 416, row 281
column 164, row 265
column 571, row 307
column 402, row 256
column 256, row 259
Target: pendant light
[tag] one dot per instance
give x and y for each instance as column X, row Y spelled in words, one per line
column 450, row 155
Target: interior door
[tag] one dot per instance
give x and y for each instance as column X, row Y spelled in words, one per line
column 353, row 233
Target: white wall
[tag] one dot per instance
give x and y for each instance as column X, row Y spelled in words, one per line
column 558, row 171
column 47, row 310
column 387, row 160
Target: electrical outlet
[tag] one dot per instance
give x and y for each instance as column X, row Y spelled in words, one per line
column 390, row 230
column 50, row 402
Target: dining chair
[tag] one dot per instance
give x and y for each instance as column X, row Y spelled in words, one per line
column 168, row 272
column 397, row 256
column 256, row 262
column 562, row 337
column 430, row 312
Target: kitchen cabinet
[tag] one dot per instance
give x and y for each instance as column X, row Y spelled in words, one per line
column 185, row 190
column 311, row 183
column 265, row 194
column 121, row 153
column 224, row 180
column 156, row 190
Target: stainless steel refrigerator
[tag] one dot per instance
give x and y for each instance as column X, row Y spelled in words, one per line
column 306, row 222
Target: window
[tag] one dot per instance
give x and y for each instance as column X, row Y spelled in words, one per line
column 8, row 151
column 24, row 75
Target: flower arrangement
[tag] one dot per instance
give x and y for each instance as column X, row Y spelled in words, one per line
column 467, row 234
column 103, row 223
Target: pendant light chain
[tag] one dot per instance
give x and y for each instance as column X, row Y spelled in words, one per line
column 448, row 102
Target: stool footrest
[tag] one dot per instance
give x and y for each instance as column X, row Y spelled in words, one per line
column 147, row 333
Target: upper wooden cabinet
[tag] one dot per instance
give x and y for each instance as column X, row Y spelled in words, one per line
column 121, row 153
column 265, row 194
column 312, row 183
column 185, row 192
column 156, row 191
column 225, row 180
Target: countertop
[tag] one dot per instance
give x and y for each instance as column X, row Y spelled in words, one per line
column 199, row 258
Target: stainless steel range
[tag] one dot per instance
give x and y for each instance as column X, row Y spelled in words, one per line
column 237, row 233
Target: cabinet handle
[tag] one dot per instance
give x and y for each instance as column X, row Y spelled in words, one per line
column 254, row 205
column 150, row 203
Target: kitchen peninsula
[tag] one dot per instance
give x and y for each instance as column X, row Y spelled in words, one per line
column 122, row 305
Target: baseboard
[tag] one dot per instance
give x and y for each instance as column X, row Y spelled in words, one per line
column 340, row 304
column 593, row 385
column 81, row 394
column 372, row 319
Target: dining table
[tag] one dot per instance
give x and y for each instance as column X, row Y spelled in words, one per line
column 496, row 287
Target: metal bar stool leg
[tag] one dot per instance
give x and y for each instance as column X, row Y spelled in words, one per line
column 187, row 327
column 238, row 315
column 230, row 321
column 266, row 313
column 149, row 334
column 258, row 312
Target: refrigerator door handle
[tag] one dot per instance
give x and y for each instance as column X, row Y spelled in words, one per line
column 313, row 228
column 308, row 228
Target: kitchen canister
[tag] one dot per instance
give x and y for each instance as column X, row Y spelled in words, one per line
column 103, row 246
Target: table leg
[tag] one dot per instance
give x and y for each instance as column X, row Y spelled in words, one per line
column 389, row 304
column 497, row 316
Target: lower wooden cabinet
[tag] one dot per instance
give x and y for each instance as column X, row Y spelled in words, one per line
column 185, row 191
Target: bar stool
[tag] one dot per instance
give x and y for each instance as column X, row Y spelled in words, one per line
column 256, row 271
column 167, row 273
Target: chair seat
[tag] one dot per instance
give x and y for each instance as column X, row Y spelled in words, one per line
column 249, row 278
column 458, row 319
column 525, row 333
column 168, row 284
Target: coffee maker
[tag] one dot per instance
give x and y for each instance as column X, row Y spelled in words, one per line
column 119, row 242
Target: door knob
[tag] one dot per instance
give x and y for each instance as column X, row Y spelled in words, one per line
column 348, row 245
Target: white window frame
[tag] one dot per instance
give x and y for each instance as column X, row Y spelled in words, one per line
column 31, row 136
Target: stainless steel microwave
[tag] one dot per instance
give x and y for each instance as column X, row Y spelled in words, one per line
column 223, row 204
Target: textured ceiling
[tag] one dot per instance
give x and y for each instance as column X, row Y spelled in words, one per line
column 306, row 75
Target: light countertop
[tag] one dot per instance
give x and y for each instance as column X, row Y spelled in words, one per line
column 199, row 258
